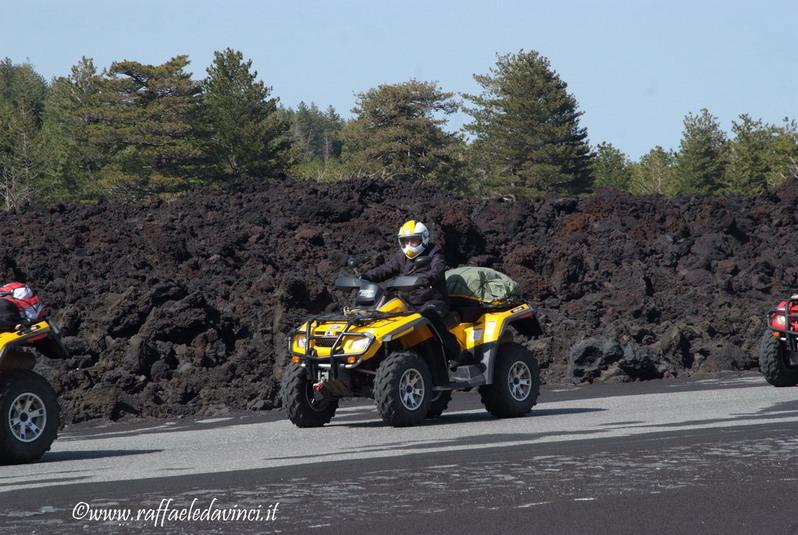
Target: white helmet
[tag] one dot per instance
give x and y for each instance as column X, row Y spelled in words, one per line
column 413, row 238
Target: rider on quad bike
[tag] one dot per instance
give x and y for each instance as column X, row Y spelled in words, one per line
column 383, row 348
column 421, row 258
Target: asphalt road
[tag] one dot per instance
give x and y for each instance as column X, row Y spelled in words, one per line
column 711, row 456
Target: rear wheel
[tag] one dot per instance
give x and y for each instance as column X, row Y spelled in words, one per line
column 299, row 402
column 403, row 389
column 516, row 383
column 439, row 403
column 29, row 411
column 773, row 362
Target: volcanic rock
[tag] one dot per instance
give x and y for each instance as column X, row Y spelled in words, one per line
column 183, row 306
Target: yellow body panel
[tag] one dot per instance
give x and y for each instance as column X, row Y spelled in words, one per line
column 486, row 330
column 11, row 337
column 394, row 305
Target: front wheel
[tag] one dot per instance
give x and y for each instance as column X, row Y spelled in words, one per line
column 773, row 362
column 403, row 389
column 516, row 382
column 303, row 410
column 29, row 410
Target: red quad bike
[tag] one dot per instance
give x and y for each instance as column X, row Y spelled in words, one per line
column 28, row 404
column 778, row 350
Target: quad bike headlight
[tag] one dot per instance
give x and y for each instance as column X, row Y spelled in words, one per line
column 778, row 320
column 299, row 340
column 357, row 345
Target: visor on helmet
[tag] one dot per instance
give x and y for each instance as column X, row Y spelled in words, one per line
column 412, row 241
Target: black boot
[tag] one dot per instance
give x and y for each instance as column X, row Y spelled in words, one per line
column 454, row 354
column 451, row 346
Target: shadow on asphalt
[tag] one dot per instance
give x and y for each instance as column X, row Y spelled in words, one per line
column 783, row 406
column 43, row 481
column 449, row 419
column 135, row 428
column 783, row 409
column 495, row 439
column 59, row 456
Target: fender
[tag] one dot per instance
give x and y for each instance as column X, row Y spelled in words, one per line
column 14, row 359
column 42, row 336
column 525, row 323
column 435, row 357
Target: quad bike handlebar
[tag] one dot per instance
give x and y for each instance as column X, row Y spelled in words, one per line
column 371, row 294
column 404, row 282
column 399, row 283
column 348, row 282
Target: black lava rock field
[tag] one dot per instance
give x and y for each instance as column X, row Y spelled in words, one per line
column 182, row 307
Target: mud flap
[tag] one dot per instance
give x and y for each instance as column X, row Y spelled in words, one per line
column 51, row 347
column 529, row 326
column 14, row 359
column 438, row 368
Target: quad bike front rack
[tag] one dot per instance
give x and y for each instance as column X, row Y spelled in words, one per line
column 312, row 360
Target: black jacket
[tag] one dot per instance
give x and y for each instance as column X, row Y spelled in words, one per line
column 433, row 274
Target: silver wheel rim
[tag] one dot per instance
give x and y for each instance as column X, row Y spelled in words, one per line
column 411, row 389
column 519, row 379
column 27, row 417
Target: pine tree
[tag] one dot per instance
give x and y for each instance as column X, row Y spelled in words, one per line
column 398, row 133
column 526, row 127
column 655, row 173
column 701, row 160
column 782, row 153
column 760, row 155
column 21, row 157
column 247, row 136
column 22, row 95
column 21, row 87
column 611, row 168
column 146, row 120
column 74, row 160
column 316, row 133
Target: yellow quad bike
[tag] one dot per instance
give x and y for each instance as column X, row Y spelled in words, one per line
column 28, row 404
column 381, row 349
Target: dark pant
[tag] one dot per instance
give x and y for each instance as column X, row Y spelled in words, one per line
column 435, row 316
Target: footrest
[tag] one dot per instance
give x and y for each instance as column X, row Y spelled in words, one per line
column 467, row 373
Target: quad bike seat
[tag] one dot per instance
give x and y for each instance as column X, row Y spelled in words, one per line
column 466, row 310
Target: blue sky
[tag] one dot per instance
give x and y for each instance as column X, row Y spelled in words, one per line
column 636, row 68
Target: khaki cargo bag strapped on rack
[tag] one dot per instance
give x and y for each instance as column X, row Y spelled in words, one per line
column 482, row 284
